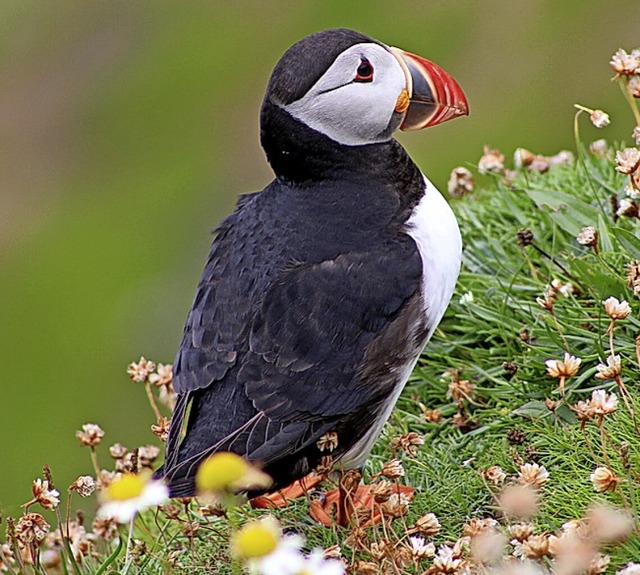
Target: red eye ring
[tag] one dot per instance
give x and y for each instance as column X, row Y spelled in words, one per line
column 364, row 73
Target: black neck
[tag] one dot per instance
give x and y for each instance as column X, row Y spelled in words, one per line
column 300, row 155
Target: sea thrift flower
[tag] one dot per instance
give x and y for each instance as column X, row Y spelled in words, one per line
column 492, row 161
column 140, row 371
column 521, row 531
column 408, row 442
column 495, row 475
column 316, row 563
column 616, row 309
column 533, row 547
column 476, row 525
column 626, row 64
column 588, row 236
column 428, row 525
column 393, row 469
column 163, row 375
column 161, row 429
column 105, row 527
column 229, row 472
column 604, row 479
column 460, row 182
column 47, row 498
column 627, row 160
column 147, row 454
column 446, row 561
column 130, row 494
column 566, row 368
column 420, row 548
column 91, row 434
column 603, row 404
column 533, row 474
column 611, row 370
column 628, row 208
column 599, row 148
column 633, row 277
column 396, row 506
column 487, row 546
column 636, row 131
column 599, row 118
column 30, row 528
column 85, row 485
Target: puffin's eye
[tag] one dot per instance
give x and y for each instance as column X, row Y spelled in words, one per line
column 364, row 73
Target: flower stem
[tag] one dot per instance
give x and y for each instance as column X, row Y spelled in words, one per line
column 152, row 400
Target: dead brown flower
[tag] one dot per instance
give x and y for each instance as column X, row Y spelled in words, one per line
column 427, row 525
column 519, row 501
column 460, row 182
column 31, row 528
column 408, row 442
column 604, row 479
column 85, row 485
column 161, row 429
column 328, row 441
column 141, row 370
column 392, row 469
column 91, row 434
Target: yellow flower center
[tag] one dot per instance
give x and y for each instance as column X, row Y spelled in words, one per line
column 255, row 540
column 128, row 486
column 220, row 472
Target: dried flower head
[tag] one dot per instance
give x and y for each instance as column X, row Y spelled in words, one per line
column 588, row 236
column 328, row 441
column 563, row 157
column 118, row 451
column 91, row 434
column 599, row 118
column 626, row 64
column 30, row 528
column 408, row 442
column 533, row 474
column 565, row 368
column 628, row 208
column 428, row 525
column 616, row 309
column 460, row 182
column 446, row 561
column 636, row 131
column 633, row 277
column 396, row 506
column 381, row 490
column 141, row 370
column 147, row 454
column 603, row 404
column 161, row 429
column 523, row 158
column 627, row 160
column 420, row 548
column 533, row 547
column 524, row 237
column 42, row 494
column 598, row 564
column 163, row 375
column 431, row 415
column 521, row 531
column 105, row 527
column 604, row 479
column 392, row 469
column 495, row 475
column 611, row 370
column 487, row 546
column 492, row 161
column 519, row 501
column 460, row 390
column 599, row 148
column 476, row 525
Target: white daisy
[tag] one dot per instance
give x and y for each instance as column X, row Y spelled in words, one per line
column 130, row 494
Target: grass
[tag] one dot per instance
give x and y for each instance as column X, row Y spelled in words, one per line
column 497, row 338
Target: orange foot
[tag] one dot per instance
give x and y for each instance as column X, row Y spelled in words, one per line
column 343, row 505
column 281, row 498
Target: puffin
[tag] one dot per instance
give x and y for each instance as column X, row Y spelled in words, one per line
column 321, row 290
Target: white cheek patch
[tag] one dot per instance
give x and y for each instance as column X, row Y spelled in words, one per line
column 353, row 113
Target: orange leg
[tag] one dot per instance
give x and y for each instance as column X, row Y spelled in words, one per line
column 280, row 498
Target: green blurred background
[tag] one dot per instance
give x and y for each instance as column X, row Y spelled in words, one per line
column 129, row 128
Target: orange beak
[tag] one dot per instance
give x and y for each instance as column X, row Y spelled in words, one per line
column 434, row 96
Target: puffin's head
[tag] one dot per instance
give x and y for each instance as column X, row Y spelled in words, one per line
column 356, row 90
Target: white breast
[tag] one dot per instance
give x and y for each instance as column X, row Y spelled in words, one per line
column 434, row 228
